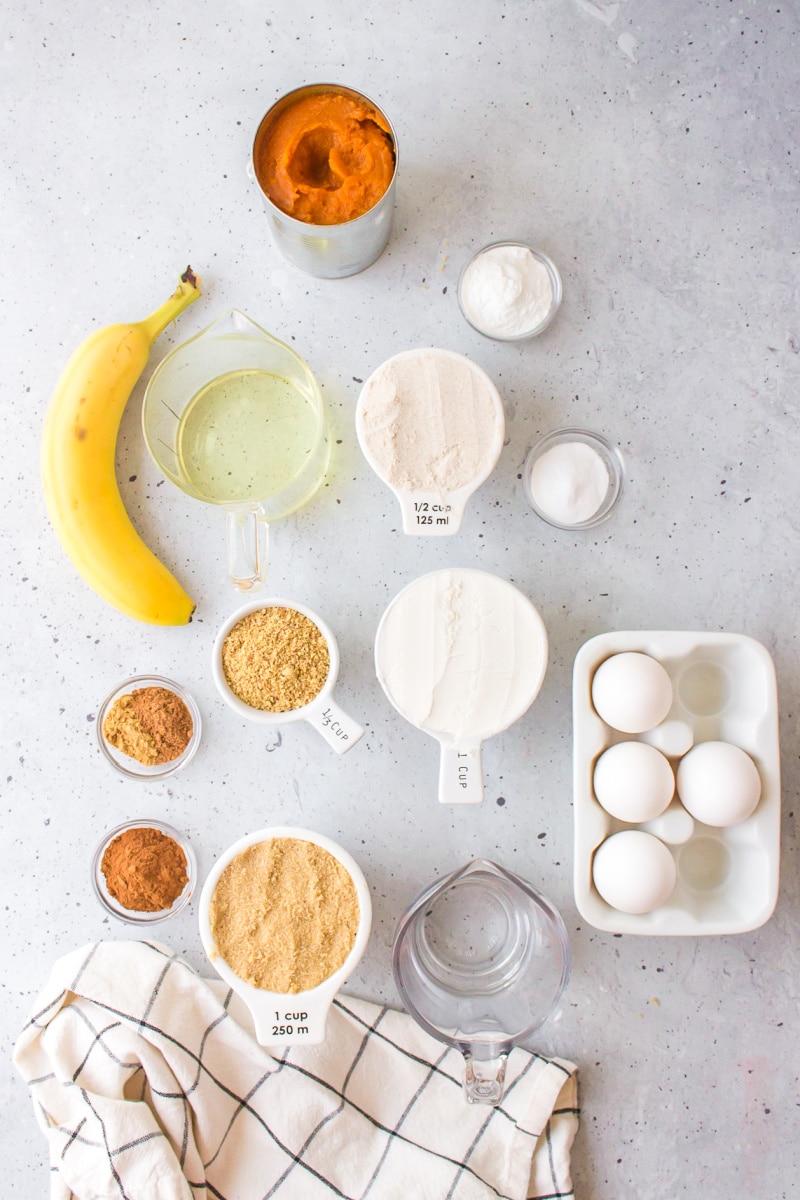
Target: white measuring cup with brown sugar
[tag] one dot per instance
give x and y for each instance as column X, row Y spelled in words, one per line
column 287, row 1018
column 320, row 711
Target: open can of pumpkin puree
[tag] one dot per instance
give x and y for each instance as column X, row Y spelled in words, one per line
column 325, row 160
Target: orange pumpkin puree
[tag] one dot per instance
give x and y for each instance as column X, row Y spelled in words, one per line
column 326, row 159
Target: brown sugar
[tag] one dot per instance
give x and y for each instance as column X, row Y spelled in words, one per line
column 275, row 659
column 284, row 915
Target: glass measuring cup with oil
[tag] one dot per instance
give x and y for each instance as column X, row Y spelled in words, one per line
column 234, row 417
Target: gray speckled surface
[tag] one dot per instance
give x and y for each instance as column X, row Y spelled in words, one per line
column 651, row 150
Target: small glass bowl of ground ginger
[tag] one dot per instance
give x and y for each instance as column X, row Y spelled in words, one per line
column 144, row 872
column 148, row 727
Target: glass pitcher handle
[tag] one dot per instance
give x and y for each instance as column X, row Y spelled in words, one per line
column 484, row 1079
column 248, row 543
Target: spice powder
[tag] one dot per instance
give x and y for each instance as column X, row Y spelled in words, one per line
column 275, row 659
column 151, row 725
column 284, row 915
column 144, row 869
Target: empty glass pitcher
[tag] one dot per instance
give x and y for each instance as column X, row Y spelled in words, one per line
column 235, row 418
column 481, row 960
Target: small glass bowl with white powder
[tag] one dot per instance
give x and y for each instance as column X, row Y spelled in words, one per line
column 509, row 292
column 573, row 478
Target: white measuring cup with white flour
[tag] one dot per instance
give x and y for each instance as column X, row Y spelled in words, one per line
column 431, row 425
column 461, row 654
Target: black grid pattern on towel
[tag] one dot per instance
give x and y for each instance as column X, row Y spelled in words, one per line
column 288, row 1185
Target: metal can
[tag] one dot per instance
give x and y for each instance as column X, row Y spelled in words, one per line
column 328, row 251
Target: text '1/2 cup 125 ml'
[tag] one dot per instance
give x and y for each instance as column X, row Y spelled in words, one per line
column 481, row 960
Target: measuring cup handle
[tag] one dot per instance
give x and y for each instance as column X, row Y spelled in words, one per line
column 460, row 776
column 248, row 543
column 288, row 1021
column 430, row 515
column 340, row 731
column 484, row 1080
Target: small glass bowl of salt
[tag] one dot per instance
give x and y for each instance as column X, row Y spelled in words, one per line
column 573, row 478
column 509, row 292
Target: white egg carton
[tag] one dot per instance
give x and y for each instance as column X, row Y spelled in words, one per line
column 724, row 689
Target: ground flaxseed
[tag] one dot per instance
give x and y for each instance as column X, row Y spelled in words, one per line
column 275, row 659
column 284, row 915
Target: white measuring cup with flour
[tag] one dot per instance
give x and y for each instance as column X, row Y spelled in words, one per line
column 461, row 654
column 287, row 1018
column 431, row 425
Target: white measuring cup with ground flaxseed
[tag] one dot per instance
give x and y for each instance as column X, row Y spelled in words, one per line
column 282, row 668
column 290, row 1017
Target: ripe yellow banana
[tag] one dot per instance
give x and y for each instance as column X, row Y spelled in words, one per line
column 80, row 484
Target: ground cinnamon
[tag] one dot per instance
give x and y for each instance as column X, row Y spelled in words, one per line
column 151, row 725
column 144, row 869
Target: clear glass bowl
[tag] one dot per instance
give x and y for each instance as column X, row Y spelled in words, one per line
column 555, row 283
column 611, row 456
column 128, row 766
column 131, row 916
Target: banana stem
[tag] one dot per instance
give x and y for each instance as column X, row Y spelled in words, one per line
column 187, row 290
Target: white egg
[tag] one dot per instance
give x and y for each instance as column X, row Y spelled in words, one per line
column 634, row 872
column 719, row 784
column 631, row 692
column 633, row 781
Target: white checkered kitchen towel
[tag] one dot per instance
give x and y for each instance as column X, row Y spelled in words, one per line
column 149, row 1085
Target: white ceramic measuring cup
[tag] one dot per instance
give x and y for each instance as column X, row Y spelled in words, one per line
column 287, row 1018
column 461, row 654
column 338, row 729
column 439, row 511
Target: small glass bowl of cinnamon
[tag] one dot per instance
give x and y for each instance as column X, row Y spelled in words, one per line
column 148, row 727
column 143, row 872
